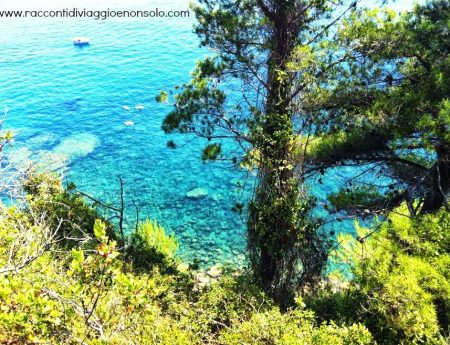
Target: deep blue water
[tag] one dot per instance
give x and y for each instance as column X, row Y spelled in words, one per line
column 66, row 109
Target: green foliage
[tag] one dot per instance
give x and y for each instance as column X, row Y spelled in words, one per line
column 92, row 295
column 402, row 278
column 399, row 291
column 211, row 152
column 171, row 144
column 96, row 299
column 358, row 198
column 390, row 105
column 163, row 97
column 6, row 137
column 28, row 314
column 63, row 208
column 99, row 229
column 340, row 143
column 231, row 298
column 293, row 327
column 92, row 300
column 150, row 245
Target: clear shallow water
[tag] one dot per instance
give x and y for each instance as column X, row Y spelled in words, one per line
column 65, row 106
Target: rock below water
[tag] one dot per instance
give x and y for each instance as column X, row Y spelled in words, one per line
column 197, row 193
column 78, row 145
column 217, row 197
column 20, row 157
column 49, row 161
column 46, row 139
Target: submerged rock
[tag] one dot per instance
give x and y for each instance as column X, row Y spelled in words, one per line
column 46, row 139
column 217, row 197
column 73, row 104
column 49, row 161
column 197, row 193
column 20, row 156
column 77, row 145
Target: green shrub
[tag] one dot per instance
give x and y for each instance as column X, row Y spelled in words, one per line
column 61, row 208
column 90, row 296
column 150, row 245
column 292, row 328
column 358, row 198
column 235, row 296
column 401, row 276
column 94, row 300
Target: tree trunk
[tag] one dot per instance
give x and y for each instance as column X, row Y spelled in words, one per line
column 274, row 212
column 439, row 186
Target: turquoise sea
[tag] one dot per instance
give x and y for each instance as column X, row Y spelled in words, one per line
column 65, row 105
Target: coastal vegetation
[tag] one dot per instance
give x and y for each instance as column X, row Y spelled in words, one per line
column 323, row 85
column 85, row 287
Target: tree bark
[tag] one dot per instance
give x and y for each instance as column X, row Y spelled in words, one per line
column 439, row 188
column 273, row 221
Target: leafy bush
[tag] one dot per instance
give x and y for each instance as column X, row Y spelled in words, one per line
column 294, row 327
column 94, row 300
column 402, row 278
column 150, row 245
column 211, row 152
column 358, row 198
column 62, row 208
column 232, row 298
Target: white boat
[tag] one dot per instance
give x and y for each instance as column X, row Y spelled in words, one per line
column 128, row 123
column 126, row 107
column 139, row 107
column 80, row 41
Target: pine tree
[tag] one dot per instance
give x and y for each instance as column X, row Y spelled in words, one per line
column 390, row 109
column 275, row 52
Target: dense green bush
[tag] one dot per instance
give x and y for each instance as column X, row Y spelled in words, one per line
column 294, row 327
column 149, row 245
column 401, row 285
column 96, row 299
column 61, row 207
